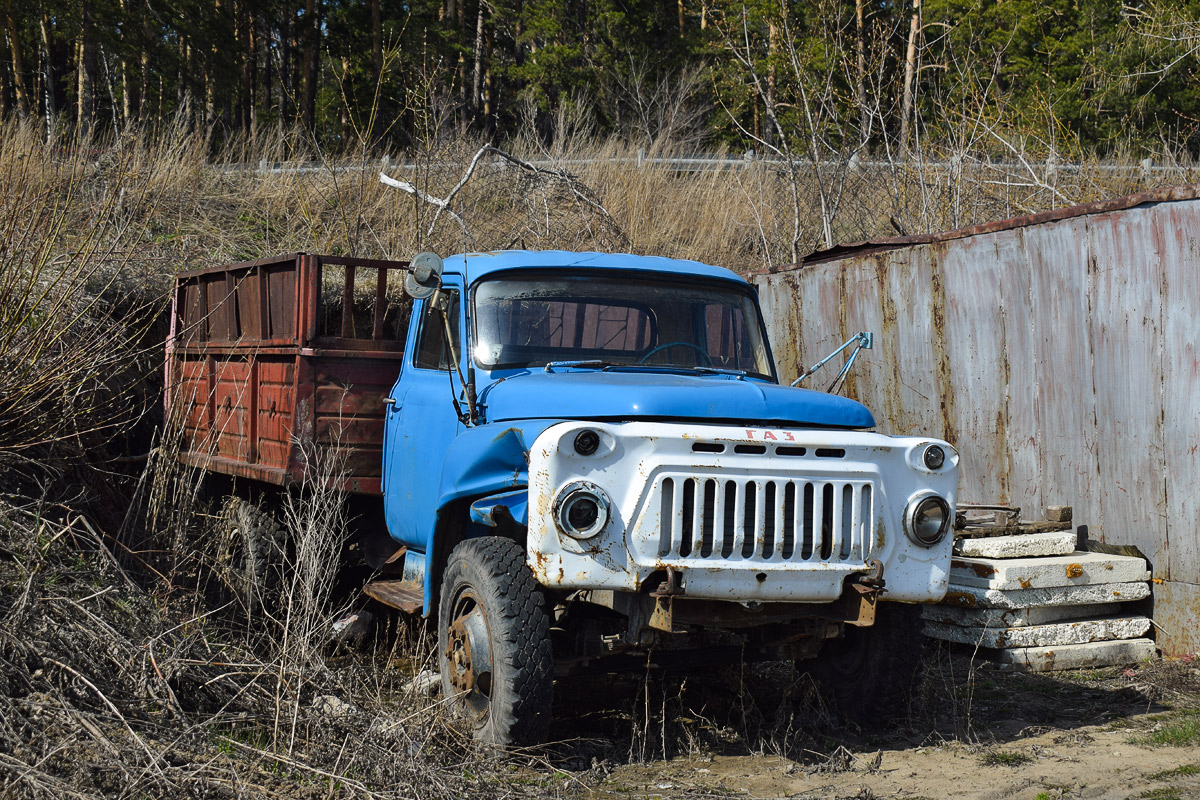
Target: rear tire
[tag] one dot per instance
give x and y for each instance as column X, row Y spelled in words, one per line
column 252, row 553
column 869, row 675
column 494, row 643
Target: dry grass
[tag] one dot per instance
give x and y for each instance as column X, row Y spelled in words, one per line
column 126, row 668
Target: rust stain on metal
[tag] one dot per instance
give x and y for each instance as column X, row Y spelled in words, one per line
column 889, row 333
column 1074, row 570
column 404, row 595
column 937, row 306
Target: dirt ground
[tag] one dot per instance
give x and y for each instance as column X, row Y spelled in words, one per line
column 975, row 732
column 114, row 688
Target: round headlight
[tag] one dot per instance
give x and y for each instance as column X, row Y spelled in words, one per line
column 581, row 510
column 934, row 457
column 927, row 520
column 587, row 442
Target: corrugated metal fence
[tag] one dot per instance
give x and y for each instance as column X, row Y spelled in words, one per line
column 1059, row 354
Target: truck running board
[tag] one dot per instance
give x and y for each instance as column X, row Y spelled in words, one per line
column 408, row 596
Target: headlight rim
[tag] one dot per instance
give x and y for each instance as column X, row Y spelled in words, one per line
column 910, row 513
column 593, row 442
column 577, row 490
column 941, row 457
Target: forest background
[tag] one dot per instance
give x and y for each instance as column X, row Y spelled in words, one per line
column 1071, row 77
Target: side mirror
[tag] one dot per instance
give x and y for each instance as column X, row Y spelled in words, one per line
column 424, row 276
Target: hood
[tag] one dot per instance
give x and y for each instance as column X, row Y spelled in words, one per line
column 644, row 394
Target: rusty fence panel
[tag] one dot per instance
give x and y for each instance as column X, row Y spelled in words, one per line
column 1057, row 352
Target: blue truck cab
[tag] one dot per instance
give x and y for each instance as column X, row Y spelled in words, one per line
column 587, row 456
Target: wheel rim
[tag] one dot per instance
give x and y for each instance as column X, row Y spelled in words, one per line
column 469, row 654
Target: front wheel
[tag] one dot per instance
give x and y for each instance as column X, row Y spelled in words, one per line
column 494, row 643
column 869, row 674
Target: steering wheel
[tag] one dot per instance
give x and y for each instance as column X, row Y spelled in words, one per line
column 666, row 346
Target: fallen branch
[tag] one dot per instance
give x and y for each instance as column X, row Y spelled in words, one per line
column 581, row 193
column 440, row 204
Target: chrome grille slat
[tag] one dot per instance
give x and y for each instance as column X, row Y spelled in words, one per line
column 780, row 520
column 773, row 520
column 718, row 521
column 818, row 529
column 697, row 516
column 676, row 518
column 739, row 519
column 759, row 534
column 836, row 527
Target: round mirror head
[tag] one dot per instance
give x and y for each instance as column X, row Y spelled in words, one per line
column 424, row 276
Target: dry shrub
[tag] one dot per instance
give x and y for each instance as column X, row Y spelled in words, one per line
column 71, row 318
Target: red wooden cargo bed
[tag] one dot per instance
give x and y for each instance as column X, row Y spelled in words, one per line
column 271, row 361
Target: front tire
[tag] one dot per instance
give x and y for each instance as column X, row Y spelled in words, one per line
column 869, row 675
column 494, row 643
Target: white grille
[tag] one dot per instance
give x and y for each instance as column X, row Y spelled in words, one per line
column 797, row 520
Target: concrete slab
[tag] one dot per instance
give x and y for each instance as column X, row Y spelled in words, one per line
column 1074, row 656
column 1054, row 634
column 978, row 597
column 1056, row 543
column 1076, row 569
column 1016, row 617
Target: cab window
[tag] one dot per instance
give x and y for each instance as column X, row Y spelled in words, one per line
column 433, row 351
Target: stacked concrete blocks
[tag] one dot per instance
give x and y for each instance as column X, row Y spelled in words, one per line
column 1032, row 602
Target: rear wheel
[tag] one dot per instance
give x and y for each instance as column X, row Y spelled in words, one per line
column 252, row 553
column 494, row 644
column 869, row 675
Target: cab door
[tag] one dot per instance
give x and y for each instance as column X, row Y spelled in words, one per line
column 422, row 422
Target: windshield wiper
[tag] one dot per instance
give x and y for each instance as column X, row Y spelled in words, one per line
column 741, row 373
column 594, row 363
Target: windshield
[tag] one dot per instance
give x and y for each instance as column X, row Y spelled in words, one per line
column 542, row 318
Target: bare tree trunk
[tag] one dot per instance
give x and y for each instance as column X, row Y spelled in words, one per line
column 910, row 71
column 772, row 77
column 268, row 68
column 679, row 8
column 86, row 55
column 207, row 58
column 477, row 76
column 129, row 88
column 286, row 48
column 245, row 30
column 144, row 59
column 249, row 37
column 345, row 102
column 376, row 43
column 185, row 57
column 18, row 61
column 460, row 11
column 860, row 57
column 109, row 84
column 50, row 103
column 487, row 80
column 311, row 59
column 210, row 105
